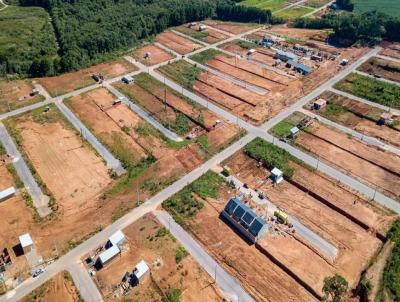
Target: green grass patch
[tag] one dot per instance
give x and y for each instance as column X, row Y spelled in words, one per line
column 247, row 44
column 26, row 36
column 270, row 155
column 182, row 73
column 180, row 254
column 173, row 295
column 17, row 181
column 294, row 12
column 374, row 90
column 2, row 150
column 199, row 35
column 282, row 129
column 183, row 205
column 206, row 55
column 272, row 5
column 391, row 274
column 390, row 7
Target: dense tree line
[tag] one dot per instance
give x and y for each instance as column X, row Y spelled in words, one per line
column 349, row 28
column 88, row 31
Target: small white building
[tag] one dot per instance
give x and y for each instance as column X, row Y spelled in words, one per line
column 294, row 131
column 117, row 239
column 26, row 242
column 276, row 175
column 127, row 79
column 202, row 27
column 319, row 104
column 7, row 193
column 251, row 51
column 141, row 270
column 108, row 255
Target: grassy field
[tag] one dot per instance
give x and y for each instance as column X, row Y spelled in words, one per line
column 273, row 5
column 26, row 34
column 294, row 12
column 371, row 89
column 390, row 7
column 316, row 3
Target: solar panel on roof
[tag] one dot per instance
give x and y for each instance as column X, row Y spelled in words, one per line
column 248, row 217
column 239, row 212
column 231, row 205
column 256, row 226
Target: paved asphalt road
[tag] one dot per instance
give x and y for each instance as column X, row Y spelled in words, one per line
column 228, row 284
column 39, row 199
column 111, row 161
column 152, row 203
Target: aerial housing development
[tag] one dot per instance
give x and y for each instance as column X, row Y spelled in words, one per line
column 199, row 150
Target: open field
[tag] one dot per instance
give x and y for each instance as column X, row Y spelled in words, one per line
column 68, row 82
column 230, row 27
column 384, row 68
column 360, row 117
column 272, row 5
column 208, row 35
column 26, row 35
column 300, row 35
column 294, row 12
column 316, row 3
column 157, row 55
column 390, row 50
column 16, row 94
column 201, row 203
column 365, row 162
column 371, row 89
column 60, row 288
column 390, row 7
column 177, row 43
column 70, row 169
column 329, row 209
column 171, row 267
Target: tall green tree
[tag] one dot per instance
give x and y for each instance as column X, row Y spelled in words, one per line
column 335, row 288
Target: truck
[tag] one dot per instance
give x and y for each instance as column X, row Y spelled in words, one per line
column 281, row 216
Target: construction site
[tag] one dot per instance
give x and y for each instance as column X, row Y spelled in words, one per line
column 69, row 82
column 382, row 68
column 150, row 266
column 370, row 164
column 150, row 55
column 366, row 119
column 17, row 94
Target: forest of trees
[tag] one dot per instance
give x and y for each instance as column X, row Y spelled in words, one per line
column 88, row 31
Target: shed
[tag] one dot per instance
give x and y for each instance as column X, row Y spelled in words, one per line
column 276, row 175
column 35, row 91
column 141, row 269
column 26, row 242
column 108, row 254
column 7, row 193
column 117, row 239
column 303, row 69
column 127, row 79
column 202, row 27
column 294, row 131
column 251, row 51
column 290, row 64
column 319, row 104
column 285, row 55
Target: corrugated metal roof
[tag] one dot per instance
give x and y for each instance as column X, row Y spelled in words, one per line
column 25, row 240
column 108, row 254
column 117, row 237
column 7, row 193
column 141, row 269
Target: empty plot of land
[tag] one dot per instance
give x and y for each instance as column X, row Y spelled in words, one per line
column 361, row 117
column 68, row 167
column 380, row 67
column 151, row 55
column 17, row 94
column 208, row 35
column 298, row 33
column 272, row 5
column 391, row 50
column 230, row 27
column 371, row 165
column 68, row 82
column 106, row 120
column 293, row 13
column 177, row 43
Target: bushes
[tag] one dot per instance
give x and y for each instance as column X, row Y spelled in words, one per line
column 183, row 205
column 371, row 89
column 270, row 155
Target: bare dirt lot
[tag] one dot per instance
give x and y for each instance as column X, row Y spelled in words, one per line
column 360, row 117
column 177, row 43
column 69, row 168
column 371, row 165
column 72, row 81
column 149, row 241
column 230, row 27
column 298, row 33
column 390, row 50
column 384, row 68
column 60, row 288
column 342, row 232
column 156, row 55
column 16, row 94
